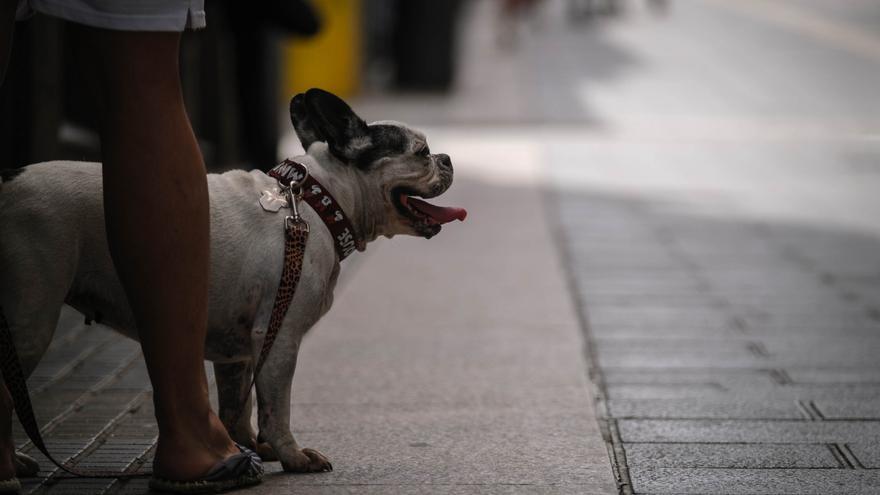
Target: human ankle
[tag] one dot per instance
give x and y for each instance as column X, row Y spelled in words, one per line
column 7, row 460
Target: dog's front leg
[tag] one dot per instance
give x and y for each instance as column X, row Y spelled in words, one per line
column 233, row 380
column 273, row 406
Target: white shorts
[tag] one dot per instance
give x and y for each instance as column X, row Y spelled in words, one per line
column 123, row 15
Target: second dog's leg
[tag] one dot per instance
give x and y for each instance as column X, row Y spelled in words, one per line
column 232, row 382
column 232, row 379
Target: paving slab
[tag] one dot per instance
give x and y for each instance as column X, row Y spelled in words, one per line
column 644, row 456
column 747, row 431
column 835, row 397
column 756, row 481
column 704, row 408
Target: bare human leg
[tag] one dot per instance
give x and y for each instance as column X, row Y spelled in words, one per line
column 156, row 208
column 7, row 448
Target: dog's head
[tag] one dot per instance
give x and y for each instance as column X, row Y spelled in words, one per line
column 393, row 160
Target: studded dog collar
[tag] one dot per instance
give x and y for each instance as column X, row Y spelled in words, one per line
column 345, row 238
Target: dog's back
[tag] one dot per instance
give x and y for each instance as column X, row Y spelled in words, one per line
column 45, row 201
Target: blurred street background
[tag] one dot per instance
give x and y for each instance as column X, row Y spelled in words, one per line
column 669, row 280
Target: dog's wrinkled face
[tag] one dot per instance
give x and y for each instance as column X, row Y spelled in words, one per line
column 394, row 161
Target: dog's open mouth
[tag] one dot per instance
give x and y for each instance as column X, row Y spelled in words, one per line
column 429, row 213
column 423, row 214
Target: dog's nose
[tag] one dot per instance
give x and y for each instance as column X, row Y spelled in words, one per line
column 444, row 160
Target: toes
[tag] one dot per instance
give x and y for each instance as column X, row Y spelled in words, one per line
column 317, row 461
column 306, row 461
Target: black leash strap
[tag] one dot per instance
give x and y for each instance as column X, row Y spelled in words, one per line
column 15, row 381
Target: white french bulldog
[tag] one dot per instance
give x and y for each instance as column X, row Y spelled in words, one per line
column 55, row 252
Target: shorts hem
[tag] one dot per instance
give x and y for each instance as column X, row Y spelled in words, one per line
column 186, row 19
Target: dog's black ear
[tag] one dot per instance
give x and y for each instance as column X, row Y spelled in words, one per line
column 303, row 123
column 321, row 116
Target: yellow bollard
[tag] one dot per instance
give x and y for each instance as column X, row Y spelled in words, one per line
column 330, row 60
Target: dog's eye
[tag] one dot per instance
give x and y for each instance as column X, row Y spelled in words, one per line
column 425, row 151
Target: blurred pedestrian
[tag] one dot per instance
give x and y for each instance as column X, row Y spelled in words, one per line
column 513, row 13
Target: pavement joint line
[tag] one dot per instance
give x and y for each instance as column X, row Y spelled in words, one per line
column 839, row 456
column 142, row 458
column 624, row 482
column 780, row 376
column 816, row 411
column 805, row 418
column 726, row 442
column 647, row 442
column 71, row 366
column 851, row 456
column 617, row 456
column 96, row 441
column 825, row 278
column 732, row 370
column 668, row 239
column 347, row 483
column 135, row 464
column 754, row 468
column 80, row 401
column 739, row 323
column 758, row 349
column 850, row 296
column 805, row 409
column 759, row 420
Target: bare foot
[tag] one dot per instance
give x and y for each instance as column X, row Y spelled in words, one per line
column 191, row 453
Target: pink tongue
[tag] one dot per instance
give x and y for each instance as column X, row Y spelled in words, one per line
column 440, row 214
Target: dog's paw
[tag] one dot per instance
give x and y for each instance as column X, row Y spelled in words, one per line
column 306, row 461
column 266, row 452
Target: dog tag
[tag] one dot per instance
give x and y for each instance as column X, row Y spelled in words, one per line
column 272, row 200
